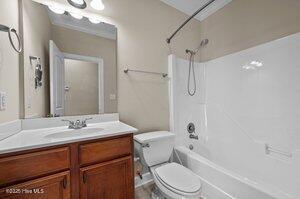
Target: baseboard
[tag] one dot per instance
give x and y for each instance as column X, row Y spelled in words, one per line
column 147, row 177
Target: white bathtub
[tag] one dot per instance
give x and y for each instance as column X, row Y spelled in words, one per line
column 219, row 183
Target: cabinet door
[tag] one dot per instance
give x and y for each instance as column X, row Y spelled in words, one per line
column 51, row 187
column 109, row 180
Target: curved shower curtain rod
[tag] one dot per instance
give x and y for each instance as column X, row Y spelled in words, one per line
column 186, row 21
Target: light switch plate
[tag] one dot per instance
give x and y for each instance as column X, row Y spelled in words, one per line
column 112, row 96
column 3, row 102
column 29, row 101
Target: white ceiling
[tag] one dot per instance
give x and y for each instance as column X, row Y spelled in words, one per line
column 190, row 6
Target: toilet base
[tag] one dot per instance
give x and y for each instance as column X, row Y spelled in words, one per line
column 157, row 194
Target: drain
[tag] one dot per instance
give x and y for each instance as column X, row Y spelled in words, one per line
column 191, row 147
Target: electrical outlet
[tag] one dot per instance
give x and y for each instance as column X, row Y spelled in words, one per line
column 3, row 101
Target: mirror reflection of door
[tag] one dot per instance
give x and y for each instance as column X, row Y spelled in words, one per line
column 57, row 81
column 81, row 87
column 76, row 84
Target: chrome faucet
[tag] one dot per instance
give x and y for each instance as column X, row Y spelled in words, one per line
column 77, row 124
column 192, row 136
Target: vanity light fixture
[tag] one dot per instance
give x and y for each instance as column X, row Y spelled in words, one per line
column 56, row 10
column 257, row 63
column 253, row 65
column 94, row 21
column 97, row 5
column 76, row 16
column 81, row 4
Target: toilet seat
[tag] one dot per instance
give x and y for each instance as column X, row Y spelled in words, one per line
column 174, row 179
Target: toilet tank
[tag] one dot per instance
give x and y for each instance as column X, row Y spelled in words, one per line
column 155, row 147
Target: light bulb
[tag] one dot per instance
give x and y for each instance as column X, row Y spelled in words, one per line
column 56, row 9
column 79, row 2
column 76, row 16
column 97, row 5
column 94, row 21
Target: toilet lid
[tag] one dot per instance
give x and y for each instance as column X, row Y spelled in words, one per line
column 178, row 177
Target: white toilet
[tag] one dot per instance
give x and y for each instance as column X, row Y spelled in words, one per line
column 173, row 181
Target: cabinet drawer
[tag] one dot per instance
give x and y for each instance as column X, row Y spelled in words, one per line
column 26, row 166
column 105, row 150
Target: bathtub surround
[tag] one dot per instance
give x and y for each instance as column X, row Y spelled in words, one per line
column 246, row 101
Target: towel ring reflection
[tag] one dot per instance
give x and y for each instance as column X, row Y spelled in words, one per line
column 10, row 31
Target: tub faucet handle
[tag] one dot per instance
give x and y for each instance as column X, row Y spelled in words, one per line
column 192, row 136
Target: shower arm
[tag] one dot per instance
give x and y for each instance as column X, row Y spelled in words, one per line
column 186, row 21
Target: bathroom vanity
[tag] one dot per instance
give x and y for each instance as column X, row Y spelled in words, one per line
column 40, row 164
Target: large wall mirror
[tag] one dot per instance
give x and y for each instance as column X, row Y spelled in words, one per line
column 69, row 63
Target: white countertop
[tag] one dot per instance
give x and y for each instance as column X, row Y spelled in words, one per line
column 38, row 138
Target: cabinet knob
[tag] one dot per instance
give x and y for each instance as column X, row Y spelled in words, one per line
column 65, row 183
column 84, row 177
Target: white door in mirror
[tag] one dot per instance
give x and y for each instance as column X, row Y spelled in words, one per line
column 2, row 101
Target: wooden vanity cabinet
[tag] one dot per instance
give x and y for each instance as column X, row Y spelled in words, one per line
column 111, row 179
column 101, row 169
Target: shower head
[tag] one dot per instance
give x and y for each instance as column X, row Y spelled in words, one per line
column 203, row 43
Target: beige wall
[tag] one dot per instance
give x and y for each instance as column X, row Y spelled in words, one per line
column 143, row 26
column 37, row 33
column 82, row 79
column 75, row 42
column 9, row 62
column 246, row 23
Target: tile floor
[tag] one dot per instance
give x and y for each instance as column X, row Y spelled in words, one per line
column 144, row 192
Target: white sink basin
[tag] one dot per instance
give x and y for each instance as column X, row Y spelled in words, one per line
column 73, row 133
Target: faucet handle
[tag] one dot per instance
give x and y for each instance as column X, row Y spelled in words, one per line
column 65, row 120
column 71, row 123
column 84, row 121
